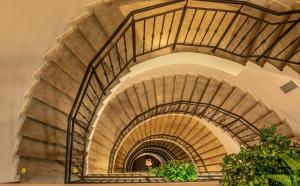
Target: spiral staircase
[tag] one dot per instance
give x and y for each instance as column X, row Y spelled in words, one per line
column 63, row 129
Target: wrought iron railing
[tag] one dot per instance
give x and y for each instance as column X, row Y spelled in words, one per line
column 137, row 178
column 194, row 156
column 232, row 29
column 234, row 124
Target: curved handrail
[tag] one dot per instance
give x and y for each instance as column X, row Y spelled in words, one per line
column 188, row 108
column 82, row 112
column 177, row 141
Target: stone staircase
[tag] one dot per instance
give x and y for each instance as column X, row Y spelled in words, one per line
column 192, row 132
column 122, row 110
column 42, row 133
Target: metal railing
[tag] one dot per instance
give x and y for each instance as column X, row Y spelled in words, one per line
column 231, row 29
column 234, row 124
column 194, row 156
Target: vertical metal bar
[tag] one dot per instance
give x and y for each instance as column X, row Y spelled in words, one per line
column 111, row 64
column 263, row 41
column 278, row 39
column 105, row 74
column 180, row 24
column 207, row 29
column 133, row 39
column 189, row 27
column 68, row 152
column 216, row 30
column 170, row 29
column 290, row 44
column 236, row 33
column 98, row 81
column 144, row 35
column 162, row 30
column 244, row 37
column 292, row 55
column 228, row 27
column 118, row 56
column 252, row 41
column 125, row 47
column 198, row 28
column 154, row 23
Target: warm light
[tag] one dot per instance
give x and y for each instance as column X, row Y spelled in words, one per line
column 148, row 162
column 23, row 170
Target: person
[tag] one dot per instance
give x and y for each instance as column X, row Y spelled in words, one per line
column 148, row 161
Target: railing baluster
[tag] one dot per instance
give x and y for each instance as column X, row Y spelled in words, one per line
column 133, row 39
column 153, row 33
column 170, row 29
column 162, row 30
column 104, row 71
column 252, row 41
column 227, row 29
column 111, row 64
column 125, row 47
column 290, row 44
column 98, row 81
column 243, row 38
column 207, row 29
column 236, row 33
column 291, row 56
column 263, row 41
column 180, row 25
column 278, row 39
column 118, row 56
column 199, row 26
column 216, row 30
column 144, row 35
column 189, row 27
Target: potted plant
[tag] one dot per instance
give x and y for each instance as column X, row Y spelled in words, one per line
column 274, row 161
column 175, row 171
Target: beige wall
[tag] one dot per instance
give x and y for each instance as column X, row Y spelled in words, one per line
column 27, row 31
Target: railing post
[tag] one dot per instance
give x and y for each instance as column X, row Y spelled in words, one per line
column 67, row 166
column 278, row 39
column 180, row 24
column 133, row 39
column 227, row 29
column 69, row 146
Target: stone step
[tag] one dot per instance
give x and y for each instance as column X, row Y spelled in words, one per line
column 46, row 93
column 39, row 167
column 54, row 75
column 40, row 111
column 37, row 130
column 92, row 30
column 66, row 60
column 78, row 45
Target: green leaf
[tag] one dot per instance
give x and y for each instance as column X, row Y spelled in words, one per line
column 291, row 162
column 281, row 178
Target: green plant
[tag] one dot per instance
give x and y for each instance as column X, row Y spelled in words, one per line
column 274, row 161
column 176, row 171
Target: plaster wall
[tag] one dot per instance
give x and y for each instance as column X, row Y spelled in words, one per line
column 28, row 30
